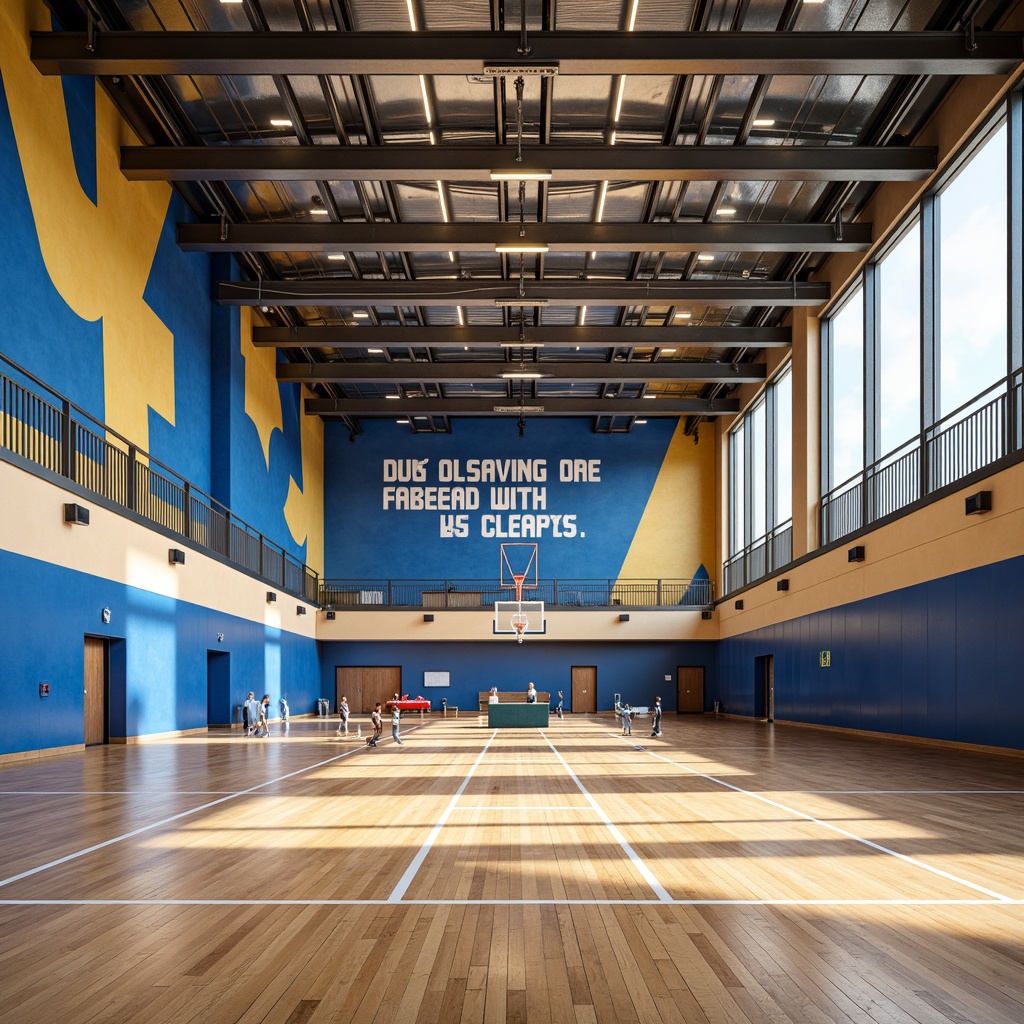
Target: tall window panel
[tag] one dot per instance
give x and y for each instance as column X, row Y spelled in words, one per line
column 846, row 387
column 756, row 425
column 899, row 343
column 784, row 448
column 737, row 490
column 972, row 276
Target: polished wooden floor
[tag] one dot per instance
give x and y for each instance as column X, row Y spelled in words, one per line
column 731, row 871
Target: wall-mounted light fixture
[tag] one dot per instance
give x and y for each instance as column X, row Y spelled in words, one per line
column 300, row 609
column 975, row 503
column 176, row 556
column 331, row 616
column 624, row 617
column 855, row 554
column 706, row 614
column 76, row 515
column 428, row 617
column 739, row 606
column 782, row 585
column 271, row 596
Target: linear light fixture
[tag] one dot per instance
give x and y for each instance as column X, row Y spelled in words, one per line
column 520, row 175
column 520, row 344
column 535, row 409
column 277, row 122
column 523, row 301
column 336, row 256
column 522, row 247
column 540, row 69
column 522, row 375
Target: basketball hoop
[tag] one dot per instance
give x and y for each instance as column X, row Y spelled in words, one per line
column 517, row 579
column 520, row 623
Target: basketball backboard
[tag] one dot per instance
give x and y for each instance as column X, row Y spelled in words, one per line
column 518, row 618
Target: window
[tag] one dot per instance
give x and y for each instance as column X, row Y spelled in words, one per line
column 846, row 390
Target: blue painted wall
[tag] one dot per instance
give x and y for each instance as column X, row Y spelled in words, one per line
column 592, row 543
column 940, row 660
column 48, row 610
column 636, row 671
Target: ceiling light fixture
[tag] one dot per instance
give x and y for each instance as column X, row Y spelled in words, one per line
column 275, row 122
column 765, row 122
column 518, row 408
column 317, row 208
column 705, row 257
column 726, row 211
column 544, row 70
column 667, row 351
column 683, row 314
column 521, row 302
column 523, row 247
column 520, row 175
column 361, row 314
column 375, row 351
column 522, row 375
column 394, row 398
column 336, row 256
column 640, row 423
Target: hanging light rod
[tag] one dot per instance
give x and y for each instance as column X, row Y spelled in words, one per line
column 524, row 247
column 521, row 175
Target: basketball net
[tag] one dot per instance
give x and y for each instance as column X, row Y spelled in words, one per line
column 519, row 623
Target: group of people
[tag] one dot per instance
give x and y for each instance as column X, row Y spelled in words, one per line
column 255, row 715
column 376, row 721
column 626, row 715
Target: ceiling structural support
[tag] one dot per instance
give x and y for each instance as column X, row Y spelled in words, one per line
column 558, row 237
column 446, row 292
column 562, row 53
column 336, row 408
column 400, row 162
column 499, row 337
column 667, row 371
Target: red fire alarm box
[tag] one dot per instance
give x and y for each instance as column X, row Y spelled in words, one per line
column 44, row 689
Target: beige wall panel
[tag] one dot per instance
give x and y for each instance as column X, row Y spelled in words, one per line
column 450, row 626
column 115, row 548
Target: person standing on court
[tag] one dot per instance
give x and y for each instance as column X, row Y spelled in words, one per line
column 396, row 716
column 531, row 694
column 378, row 726
column 656, row 717
column 246, row 710
column 343, row 711
column 626, row 714
column 558, row 707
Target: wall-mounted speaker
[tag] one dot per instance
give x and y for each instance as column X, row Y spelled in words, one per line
column 975, row 503
column 624, row 617
column 76, row 515
column 300, row 610
column 271, row 596
column 176, row 556
column 855, row 554
column 738, row 606
column 706, row 613
column 428, row 617
column 782, row 585
column 331, row 616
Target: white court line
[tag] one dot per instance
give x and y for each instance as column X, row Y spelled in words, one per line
column 566, row 902
column 167, row 821
column 113, row 792
column 638, row 862
column 417, row 862
column 526, row 807
column 835, row 828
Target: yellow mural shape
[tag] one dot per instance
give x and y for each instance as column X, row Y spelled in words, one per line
column 262, row 397
column 98, row 256
column 676, row 534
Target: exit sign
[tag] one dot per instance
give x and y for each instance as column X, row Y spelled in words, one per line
column 825, row 659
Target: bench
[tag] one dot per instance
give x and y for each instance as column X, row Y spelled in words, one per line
column 512, row 697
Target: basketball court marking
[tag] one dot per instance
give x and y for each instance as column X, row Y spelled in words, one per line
column 637, row 860
column 1000, row 897
column 410, row 872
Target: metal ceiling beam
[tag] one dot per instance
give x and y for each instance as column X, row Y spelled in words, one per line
column 559, row 237
column 336, row 408
column 574, row 53
column 448, row 292
column 565, row 163
column 648, row 336
column 668, row 371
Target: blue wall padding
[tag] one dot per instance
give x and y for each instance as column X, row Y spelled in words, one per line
column 939, row 660
column 160, row 652
column 636, row 671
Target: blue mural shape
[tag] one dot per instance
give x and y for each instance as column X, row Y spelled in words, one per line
column 401, row 505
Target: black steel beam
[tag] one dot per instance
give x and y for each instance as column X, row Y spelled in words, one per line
column 336, row 408
column 671, row 371
column 565, row 163
column 448, row 292
column 493, row 337
column 559, row 237
column 575, row 53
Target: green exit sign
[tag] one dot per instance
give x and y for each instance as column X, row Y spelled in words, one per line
column 825, row 659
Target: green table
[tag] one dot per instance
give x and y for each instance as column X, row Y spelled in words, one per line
column 517, row 716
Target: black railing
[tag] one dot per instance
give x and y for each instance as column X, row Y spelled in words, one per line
column 482, row 593
column 46, row 430
column 760, row 557
column 972, row 437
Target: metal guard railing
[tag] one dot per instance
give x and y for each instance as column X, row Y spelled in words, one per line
column 977, row 434
column 482, row 593
column 760, row 557
column 56, row 435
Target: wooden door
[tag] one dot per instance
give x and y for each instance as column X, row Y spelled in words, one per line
column 95, row 685
column 584, row 689
column 364, row 685
column 690, row 689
